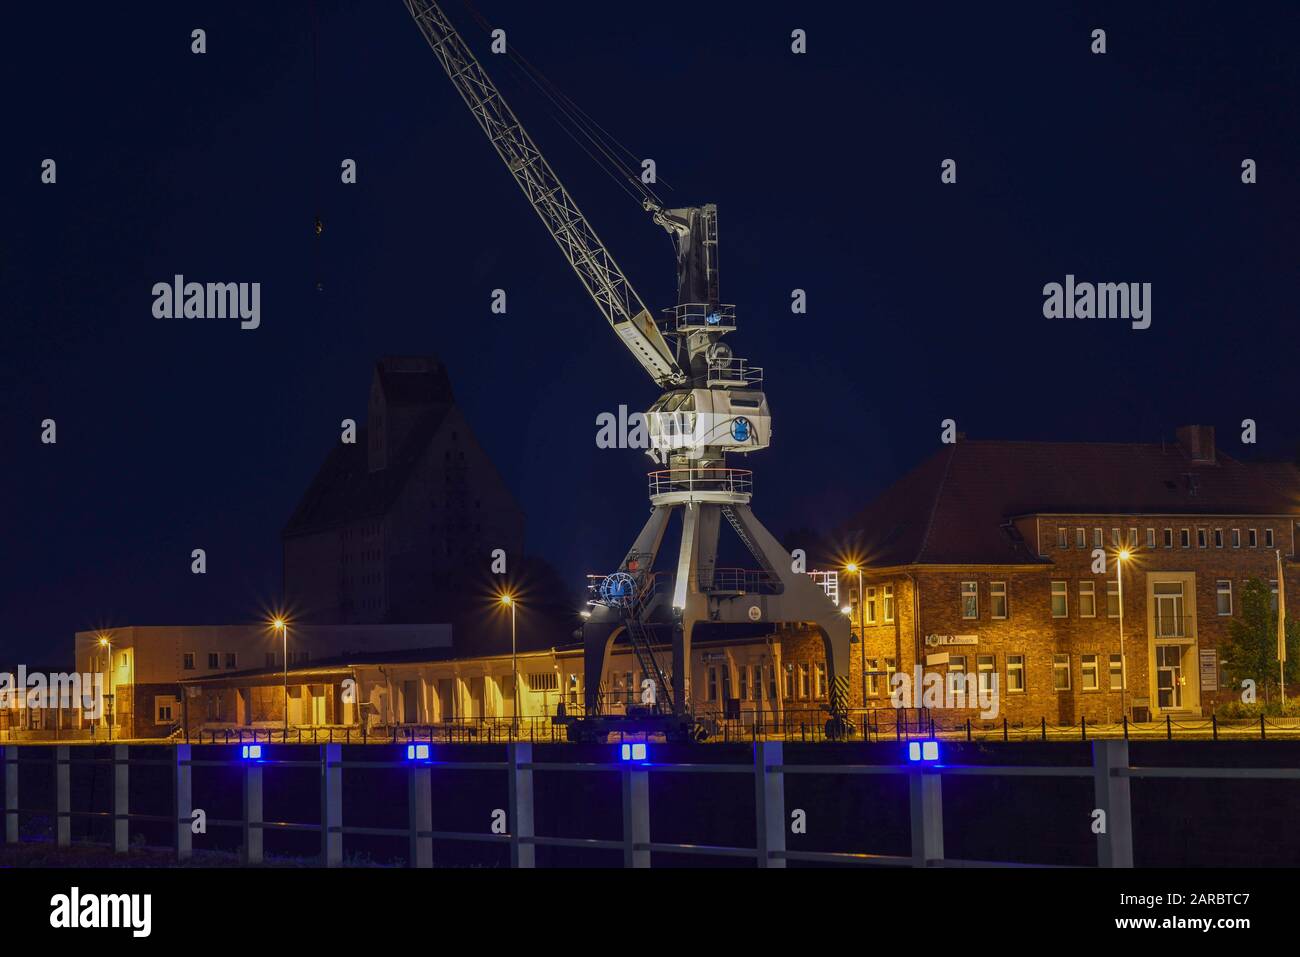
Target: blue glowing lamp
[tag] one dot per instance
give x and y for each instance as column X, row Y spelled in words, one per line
column 927, row 751
column 634, row 752
column 417, row 752
column 251, row 752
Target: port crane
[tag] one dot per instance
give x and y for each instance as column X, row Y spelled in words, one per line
column 712, row 405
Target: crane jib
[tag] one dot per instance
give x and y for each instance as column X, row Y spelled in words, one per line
column 590, row 259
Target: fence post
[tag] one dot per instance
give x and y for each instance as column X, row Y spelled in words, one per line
column 62, row 796
column 252, row 849
column 926, row 787
column 520, row 788
column 11, row 794
column 184, row 804
column 419, row 811
column 769, row 803
column 1111, row 790
column 121, row 799
column 636, row 817
column 331, row 805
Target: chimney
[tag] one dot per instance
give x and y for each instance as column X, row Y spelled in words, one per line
column 1198, row 442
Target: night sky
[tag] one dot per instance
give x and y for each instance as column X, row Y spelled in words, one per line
column 925, row 300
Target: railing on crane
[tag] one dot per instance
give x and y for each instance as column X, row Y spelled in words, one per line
column 733, row 481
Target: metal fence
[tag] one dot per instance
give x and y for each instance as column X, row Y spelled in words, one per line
column 1110, row 772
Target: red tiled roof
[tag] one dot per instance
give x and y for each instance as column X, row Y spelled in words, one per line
column 956, row 506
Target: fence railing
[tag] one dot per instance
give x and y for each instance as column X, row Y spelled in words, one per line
column 1111, row 773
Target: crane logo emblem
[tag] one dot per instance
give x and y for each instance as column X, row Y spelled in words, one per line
column 740, row 429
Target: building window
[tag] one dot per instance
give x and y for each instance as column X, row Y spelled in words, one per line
column 998, row 599
column 1236, row 538
column 970, row 600
column 956, row 674
column 164, row 709
column 1098, row 538
column 744, row 682
column 1087, row 600
column 575, row 687
column 1200, row 538
column 985, row 674
column 214, row 706
column 1268, row 538
column 1116, row 673
column 1272, row 584
column 1151, row 538
column 1062, row 537
column 214, row 660
column 889, row 604
column 771, row 683
column 1218, row 538
column 1252, row 538
column 1088, row 668
column 1060, row 600
column 1132, row 538
column 889, row 675
column 1115, row 537
column 1185, row 538
column 871, row 605
column 821, row 679
column 1169, row 538
column 1061, row 672
column 873, row 679
column 788, row 681
column 1015, row 674
column 543, row 681
column 1080, row 538
column 1223, row 596
column 712, row 691
column 187, row 661
column 230, row 659
column 804, row 687
column 1112, row 599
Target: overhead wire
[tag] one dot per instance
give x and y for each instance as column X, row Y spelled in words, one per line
column 604, row 142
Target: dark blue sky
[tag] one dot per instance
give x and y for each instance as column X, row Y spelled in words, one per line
column 925, row 300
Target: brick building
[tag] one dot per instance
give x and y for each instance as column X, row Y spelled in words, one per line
column 398, row 526
column 982, row 560
column 144, row 666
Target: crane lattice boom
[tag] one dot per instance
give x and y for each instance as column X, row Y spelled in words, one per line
column 600, row 274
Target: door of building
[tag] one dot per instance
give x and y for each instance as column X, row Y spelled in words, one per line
column 410, row 701
column 1169, row 676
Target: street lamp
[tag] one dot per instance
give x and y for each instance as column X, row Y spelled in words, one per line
column 508, row 600
column 855, row 568
column 108, row 674
column 282, row 626
column 1123, row 556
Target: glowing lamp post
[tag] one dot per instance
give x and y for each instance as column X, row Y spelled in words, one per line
column 508, row 600
column 1123, row 556
column 282, row 626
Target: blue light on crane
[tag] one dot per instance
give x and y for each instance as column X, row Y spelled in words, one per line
column 927, row 751
column 634, row 752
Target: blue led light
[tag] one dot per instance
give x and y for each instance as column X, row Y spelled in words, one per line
column 923, row 750
column 634, row 752
column 252, row 752
column 417, row 752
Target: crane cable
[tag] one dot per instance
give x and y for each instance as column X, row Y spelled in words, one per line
column 604, row 142
column 318, row 225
